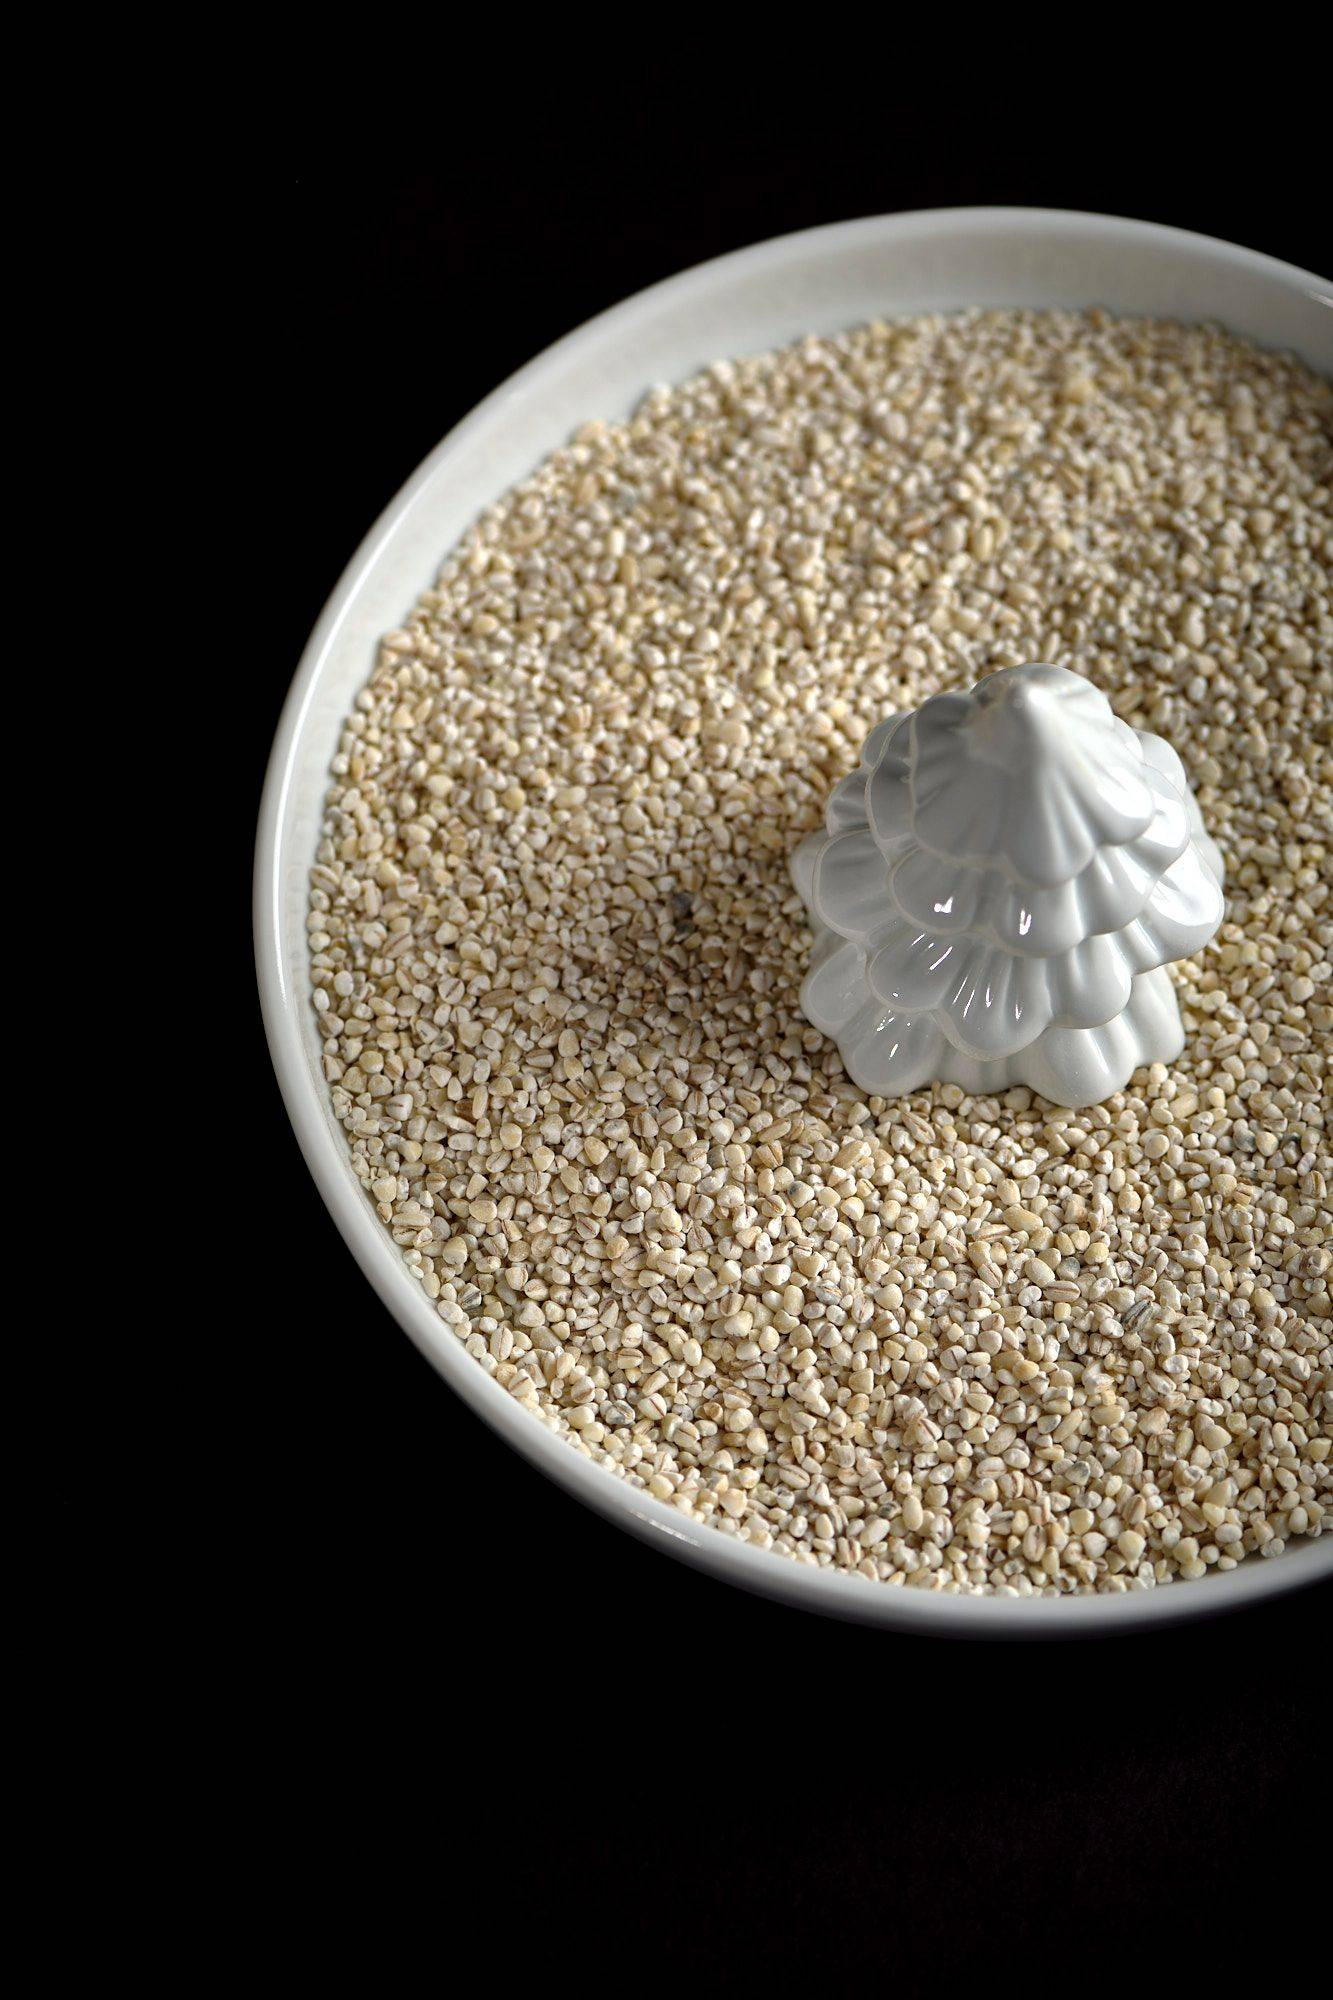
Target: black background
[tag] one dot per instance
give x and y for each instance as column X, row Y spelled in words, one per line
column 487, row 1706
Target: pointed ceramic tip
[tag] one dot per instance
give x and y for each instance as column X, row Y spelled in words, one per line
column 1033, row 687
column 1016, row 715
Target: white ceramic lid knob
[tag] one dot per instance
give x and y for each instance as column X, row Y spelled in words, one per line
column 998, row 890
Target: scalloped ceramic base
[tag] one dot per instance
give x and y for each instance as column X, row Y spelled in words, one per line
column 889, row 1055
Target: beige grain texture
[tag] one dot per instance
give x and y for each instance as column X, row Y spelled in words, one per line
column 963, row 1343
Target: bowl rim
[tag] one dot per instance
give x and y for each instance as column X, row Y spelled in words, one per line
column 835, row 1593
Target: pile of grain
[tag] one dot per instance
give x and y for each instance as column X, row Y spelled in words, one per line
column 959, row 1342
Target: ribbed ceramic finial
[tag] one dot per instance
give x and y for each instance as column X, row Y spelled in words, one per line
column 998, row 890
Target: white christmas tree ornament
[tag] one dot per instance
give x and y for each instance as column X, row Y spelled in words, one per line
column 999, row 888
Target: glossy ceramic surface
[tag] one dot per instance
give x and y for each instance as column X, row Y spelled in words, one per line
column 998, row 889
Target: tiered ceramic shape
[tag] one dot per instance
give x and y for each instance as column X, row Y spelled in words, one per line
column 999, row 888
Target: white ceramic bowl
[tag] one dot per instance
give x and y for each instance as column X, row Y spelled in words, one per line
column 822, row 281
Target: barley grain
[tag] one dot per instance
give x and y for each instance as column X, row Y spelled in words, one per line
column 958, row 1343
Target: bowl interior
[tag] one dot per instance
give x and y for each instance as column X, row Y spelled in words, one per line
column 821, row 281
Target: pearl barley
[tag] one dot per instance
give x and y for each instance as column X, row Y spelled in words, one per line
column 961, row 1342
